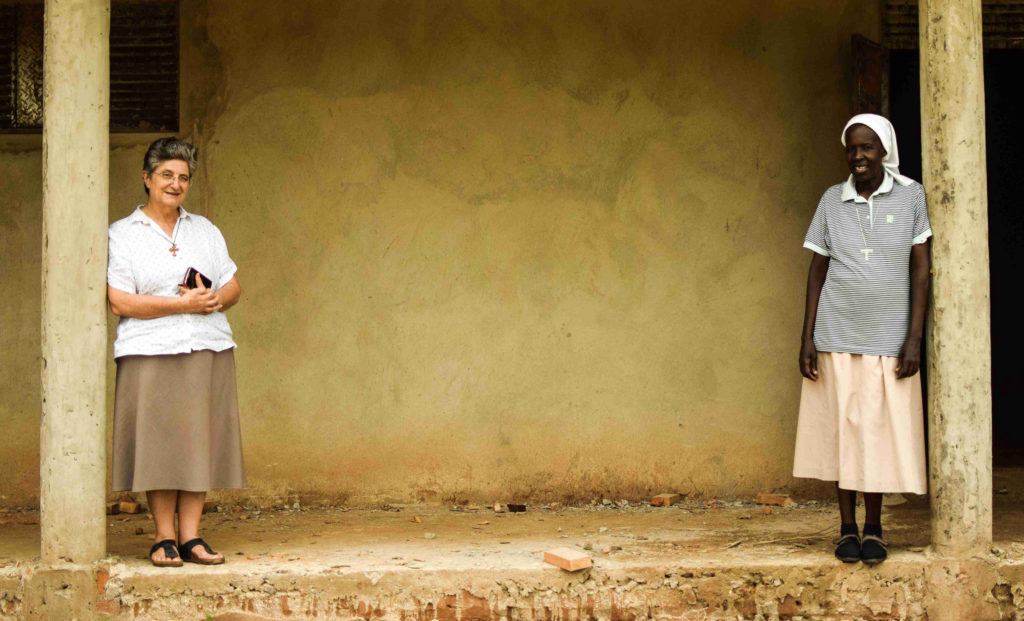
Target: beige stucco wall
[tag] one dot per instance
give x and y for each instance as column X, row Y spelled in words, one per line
column 492, row 250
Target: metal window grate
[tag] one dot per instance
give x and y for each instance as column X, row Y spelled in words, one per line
column 28, row 68
column 1002, row 24
column 8, row 39
column 143, row 66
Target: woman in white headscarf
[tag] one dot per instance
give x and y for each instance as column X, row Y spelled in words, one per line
column 861, row 417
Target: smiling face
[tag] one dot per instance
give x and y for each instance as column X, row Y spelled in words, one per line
column 168, row 184
column 864, row 155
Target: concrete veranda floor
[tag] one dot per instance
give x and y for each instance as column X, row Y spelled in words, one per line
column 420, row 536
column 695, row 560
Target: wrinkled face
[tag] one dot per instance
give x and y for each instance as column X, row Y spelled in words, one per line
column 168, row 184
column 864, row 153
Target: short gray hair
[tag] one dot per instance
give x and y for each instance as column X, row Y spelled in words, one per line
column 170, row 148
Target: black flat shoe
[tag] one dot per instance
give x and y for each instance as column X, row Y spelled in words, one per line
column 873, row 550
column 188, row 557
column 848, row 549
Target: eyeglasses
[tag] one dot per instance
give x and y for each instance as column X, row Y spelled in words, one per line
column 168, row 176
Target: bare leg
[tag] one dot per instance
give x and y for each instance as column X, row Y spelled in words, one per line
column 873, row 509
column 847, row 505
column 161, row 504
column 190, row 511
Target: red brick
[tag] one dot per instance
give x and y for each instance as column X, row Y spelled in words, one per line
column 788, row 607
column 664, row 500
column 107, row 607
column 778, row 500
column 102, row 576
column 447, row 609
column 474, row 608
column 129, row 506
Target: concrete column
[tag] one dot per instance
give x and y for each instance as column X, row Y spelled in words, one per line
column 959, row 363
column 75, row 187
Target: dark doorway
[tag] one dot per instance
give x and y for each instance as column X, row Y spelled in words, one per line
column 1004, row 126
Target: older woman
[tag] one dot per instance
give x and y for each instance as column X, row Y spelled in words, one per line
column 861, row 417
column 176, row 430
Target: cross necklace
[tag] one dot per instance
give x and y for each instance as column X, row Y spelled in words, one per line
column 866, row 250
column 174, row 246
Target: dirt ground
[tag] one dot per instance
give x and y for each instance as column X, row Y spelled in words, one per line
column 439, row 537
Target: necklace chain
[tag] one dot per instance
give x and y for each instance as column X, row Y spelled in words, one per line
column 174, row 246
column 866, row 250
column 174, row 235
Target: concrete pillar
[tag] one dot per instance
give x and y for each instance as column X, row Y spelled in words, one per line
column 75, row 187
column 959, row 363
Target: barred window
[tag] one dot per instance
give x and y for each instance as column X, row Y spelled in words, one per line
column 143, row 66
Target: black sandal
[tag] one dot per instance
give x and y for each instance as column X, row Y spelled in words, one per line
column 873, row 550
column 171, row 557
column 186, row 553
column 848, row 548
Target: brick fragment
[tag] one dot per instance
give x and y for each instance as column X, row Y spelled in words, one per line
column 129, row 506
column 664, row 500
column 113, row 508
column 514, row 507
column 568, row 559
column 776, row 500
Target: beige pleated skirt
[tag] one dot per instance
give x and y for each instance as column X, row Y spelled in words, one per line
column 176, row 423
column 861, row 426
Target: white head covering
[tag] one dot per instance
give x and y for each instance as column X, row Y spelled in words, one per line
column 885, row 132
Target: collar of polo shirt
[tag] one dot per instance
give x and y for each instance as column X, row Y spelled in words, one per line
column 850, row 190
column 139, row 216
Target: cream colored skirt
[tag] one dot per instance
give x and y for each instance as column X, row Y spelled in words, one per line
column 861, row 426
column 176, row 423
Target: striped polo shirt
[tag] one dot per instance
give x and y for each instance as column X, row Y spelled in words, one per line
column 865, row 304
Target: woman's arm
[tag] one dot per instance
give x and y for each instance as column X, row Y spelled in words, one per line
column 920, row 280
column 200, row 301
column 228, row 294
column 815, row 281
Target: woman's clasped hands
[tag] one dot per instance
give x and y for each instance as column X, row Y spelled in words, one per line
column 200, row 300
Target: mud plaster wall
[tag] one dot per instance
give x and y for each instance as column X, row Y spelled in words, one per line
column 491, row 250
